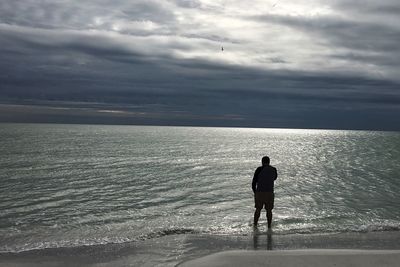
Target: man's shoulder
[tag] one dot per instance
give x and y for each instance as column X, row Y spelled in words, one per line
column 269, row 167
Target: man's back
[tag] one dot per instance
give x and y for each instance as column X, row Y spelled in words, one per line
column 263, row 180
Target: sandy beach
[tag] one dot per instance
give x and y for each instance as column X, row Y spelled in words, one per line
column 300, row 258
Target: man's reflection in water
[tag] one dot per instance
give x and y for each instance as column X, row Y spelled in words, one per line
column 256, row 240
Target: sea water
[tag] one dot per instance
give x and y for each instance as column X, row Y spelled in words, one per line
column 82, row 185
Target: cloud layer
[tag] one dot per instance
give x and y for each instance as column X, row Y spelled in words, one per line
column 318, row 64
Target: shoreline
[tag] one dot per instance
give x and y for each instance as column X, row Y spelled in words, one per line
column 172, row 250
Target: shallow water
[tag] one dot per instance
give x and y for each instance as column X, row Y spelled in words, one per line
column 73, row 185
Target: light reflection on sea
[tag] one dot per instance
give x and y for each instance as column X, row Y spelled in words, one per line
column 69, row 185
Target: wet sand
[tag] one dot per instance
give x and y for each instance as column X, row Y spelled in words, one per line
column 359, row 249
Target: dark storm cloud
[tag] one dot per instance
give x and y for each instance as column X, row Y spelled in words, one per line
column 160, row 62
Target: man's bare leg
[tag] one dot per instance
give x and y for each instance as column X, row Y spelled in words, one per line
column 256, row 216
column 269, row 218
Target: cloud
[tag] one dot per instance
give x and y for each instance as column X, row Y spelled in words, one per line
column 343, row 32
column 347, row 43
column 73, row 14
column 188, row 3
column 288, row 61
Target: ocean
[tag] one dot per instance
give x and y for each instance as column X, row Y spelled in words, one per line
column 72, row 186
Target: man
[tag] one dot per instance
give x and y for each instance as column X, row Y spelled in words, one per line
column 263, row 189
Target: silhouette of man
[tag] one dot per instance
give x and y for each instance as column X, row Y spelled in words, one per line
column 263, row 189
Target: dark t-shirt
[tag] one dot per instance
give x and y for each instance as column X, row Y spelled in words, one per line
column 263, row 180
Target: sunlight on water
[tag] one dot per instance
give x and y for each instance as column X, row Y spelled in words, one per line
column 65, row 185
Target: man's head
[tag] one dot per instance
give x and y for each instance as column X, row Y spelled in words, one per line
column 265, row 161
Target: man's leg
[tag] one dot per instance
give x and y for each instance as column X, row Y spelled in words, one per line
column 256, row 216
column 268, row 207
column 269, row 217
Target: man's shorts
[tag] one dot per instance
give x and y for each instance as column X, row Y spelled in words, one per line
column 264, row 199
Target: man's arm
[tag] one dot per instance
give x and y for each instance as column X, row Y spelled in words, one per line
column 255, row 178
column 276, row 173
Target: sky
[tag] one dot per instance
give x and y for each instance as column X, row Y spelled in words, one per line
column 284, row 64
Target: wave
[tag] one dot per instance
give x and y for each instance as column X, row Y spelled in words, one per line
column 95, row 241
column 167, row 232
column 64, row 244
